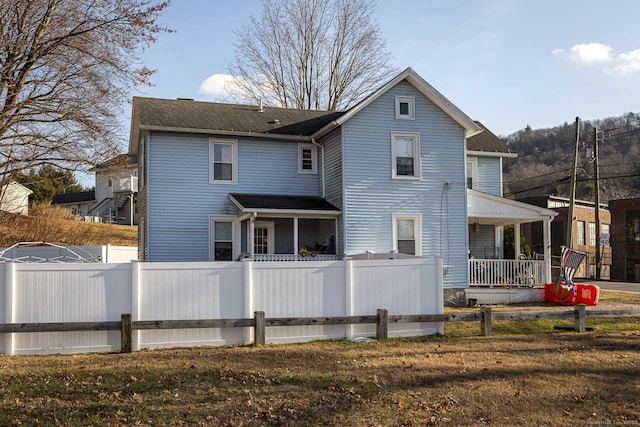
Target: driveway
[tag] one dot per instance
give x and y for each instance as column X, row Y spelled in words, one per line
column 612, row 286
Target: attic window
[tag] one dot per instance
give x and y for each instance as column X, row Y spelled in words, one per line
column 405, row 107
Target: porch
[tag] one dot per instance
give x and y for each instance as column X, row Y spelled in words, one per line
column 487, row 216
column 287, row 228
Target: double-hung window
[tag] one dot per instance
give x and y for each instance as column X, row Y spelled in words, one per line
column 223, row 161
column 307, row 158
column 405, row 153
column 407, row 232
column 221, row 233
column 580, row 240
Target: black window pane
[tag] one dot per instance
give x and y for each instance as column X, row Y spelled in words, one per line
column 223, row 251
column 407, row 247
column 404, row 166
column 404, row 108
column 222, row 172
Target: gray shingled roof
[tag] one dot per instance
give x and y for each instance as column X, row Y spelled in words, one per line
column 188, row 114
column 487, row 141
column 276, row 201
column 78, row 197
column 117, row 162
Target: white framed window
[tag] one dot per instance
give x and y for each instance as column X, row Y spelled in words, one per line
column 580, row 236
column 222, row 235
column 592, row 234
column 307, row 158
column 223, row 161
column 407, row 233
column 405, row 154
column 472, row 173
column 405, row 107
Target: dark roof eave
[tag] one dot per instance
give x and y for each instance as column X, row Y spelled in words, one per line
column 277, row 136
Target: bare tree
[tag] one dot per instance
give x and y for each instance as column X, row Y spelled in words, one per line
column 310, row 54
column 66, row 71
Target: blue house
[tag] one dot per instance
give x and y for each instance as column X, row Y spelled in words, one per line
column 398, row 173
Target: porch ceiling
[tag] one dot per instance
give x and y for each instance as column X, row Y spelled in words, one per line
column 484, row 208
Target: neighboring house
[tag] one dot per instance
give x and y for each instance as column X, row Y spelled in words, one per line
column 583, row 234
column 116, row 189
column 14, row 198
column 114, row 197
column 79, row 203
column 223, row 181
column 625, row 239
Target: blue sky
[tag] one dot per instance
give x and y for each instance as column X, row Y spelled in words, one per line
column 506, row 63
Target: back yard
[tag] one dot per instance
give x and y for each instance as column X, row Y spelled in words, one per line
column 526, row 374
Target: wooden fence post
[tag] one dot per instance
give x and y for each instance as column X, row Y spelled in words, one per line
column 485, row 323
column 125, row 333
column 259, row 334
column 580, row 323
column 382, row 327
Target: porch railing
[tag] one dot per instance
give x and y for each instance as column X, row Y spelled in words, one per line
column 506, row 272
column 294, row 257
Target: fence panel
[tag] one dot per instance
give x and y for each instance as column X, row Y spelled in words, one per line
column 68, row 293
column 403, row 287
column 185, row 291
column 300, row 289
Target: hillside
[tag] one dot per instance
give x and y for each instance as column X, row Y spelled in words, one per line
column 545, row 159
column 53, row 228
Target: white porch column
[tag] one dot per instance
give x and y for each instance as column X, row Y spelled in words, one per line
column 295, row 236
column 546, row 241
column 516, row 240
column 252, row 234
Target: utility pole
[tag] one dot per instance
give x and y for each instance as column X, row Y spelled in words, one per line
column 572, row 197
column 596, row 191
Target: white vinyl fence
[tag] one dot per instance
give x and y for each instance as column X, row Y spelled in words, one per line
column 49, row 252
column 55, row 292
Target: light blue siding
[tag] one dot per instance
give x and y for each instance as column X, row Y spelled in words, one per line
column 489, row 175
column 371, row 196
column 333, row 170
column 180, row 198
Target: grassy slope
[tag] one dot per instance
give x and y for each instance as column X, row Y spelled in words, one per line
column 53, row 228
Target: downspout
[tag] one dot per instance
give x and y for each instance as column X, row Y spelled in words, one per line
column 313, row 141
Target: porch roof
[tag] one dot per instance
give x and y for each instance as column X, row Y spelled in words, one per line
column 279, row 204
column 484, row 208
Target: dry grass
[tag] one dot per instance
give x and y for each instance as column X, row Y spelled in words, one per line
column 527, row 374
column 51, row 224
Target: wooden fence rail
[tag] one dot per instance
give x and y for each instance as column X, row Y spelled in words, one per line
column 260, row 322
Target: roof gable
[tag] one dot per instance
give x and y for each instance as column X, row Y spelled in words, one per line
column 487, row 142
column 423, row 87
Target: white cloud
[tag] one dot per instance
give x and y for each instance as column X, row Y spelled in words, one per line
column 601, row 54
column 216, row 85
column 591, row 53
column 626, row 63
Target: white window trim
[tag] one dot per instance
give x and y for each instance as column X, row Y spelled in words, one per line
column 314, row 158
column 235, row 235
column 234, row 160
column 474, row 172
column 412, row 107
column 416, row 154
column 417, row 229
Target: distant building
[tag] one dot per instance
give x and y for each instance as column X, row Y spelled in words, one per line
column 625, row 239
column 78, row 203
column 14, row 198
column 583, row 233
